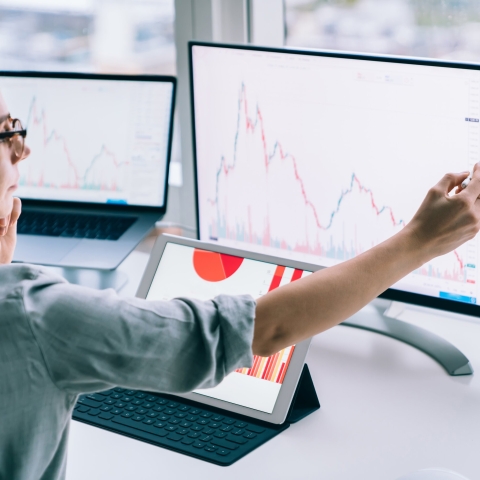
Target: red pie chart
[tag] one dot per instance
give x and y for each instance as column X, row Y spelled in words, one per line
column 213, row 266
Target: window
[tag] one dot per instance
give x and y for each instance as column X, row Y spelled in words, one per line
column 447, row 29
column 121, row 36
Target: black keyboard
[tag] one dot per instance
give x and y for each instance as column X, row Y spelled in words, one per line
column 100, row 227
column 175, row 423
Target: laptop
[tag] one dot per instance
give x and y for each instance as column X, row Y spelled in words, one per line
column 97, row 177
column 251, row 405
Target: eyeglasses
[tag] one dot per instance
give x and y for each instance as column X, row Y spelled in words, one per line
column 16, row 136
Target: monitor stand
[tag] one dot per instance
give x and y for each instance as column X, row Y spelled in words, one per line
column 374, row 319
column 87, row 277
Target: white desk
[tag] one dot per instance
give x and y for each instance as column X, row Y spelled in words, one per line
column 387, row 409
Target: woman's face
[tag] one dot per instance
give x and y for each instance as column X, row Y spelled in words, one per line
column 9, row 174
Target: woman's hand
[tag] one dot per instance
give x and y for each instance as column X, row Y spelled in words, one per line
column 444, row 222
column 8, row 232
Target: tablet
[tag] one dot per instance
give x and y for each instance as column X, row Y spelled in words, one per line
column 181, row 267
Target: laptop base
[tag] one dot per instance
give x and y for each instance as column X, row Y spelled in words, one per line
column 98, row 279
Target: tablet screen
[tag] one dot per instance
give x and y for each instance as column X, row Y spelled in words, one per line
column 186, row 271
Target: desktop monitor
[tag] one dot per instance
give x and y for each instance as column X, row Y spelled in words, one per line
column 318, row 156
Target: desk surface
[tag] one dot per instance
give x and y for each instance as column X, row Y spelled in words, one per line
column 387, row 409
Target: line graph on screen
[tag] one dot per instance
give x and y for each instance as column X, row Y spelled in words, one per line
column 278, row 189
column 58, row 165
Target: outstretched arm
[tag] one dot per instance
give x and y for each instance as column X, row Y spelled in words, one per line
column 322, row 300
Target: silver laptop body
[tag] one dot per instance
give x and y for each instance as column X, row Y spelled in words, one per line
column 101, row 148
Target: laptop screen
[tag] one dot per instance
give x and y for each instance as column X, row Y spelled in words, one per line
column 94, row 140
column 185, row 271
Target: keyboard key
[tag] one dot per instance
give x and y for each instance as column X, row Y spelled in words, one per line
column 93, row 412
column 217, row 418
column 194, row 434
column 185, row 424
column 105, row 416
column 255, row 429
column 119, row 389
column 197, row 428
column 162, row 401
column 250, row 435
column 171, row 428
column 202, row 421
column 141, row 395
column 237, row 431
column 206, row 415
column 94, row 396
column 106, row 408
column 130, row 393
column 126, row 399
column 159, row 424
column 151, row 398
column 236, row 439
column 188, row 441
column 191, row 418
column 109, row 402
column 205, row 438
column 130, row 408
column 117, row 411
column 172, row 405
column 180, row 415
column 140, row 426
column 152, row 414
column 214, row 425
column 227, row 428
column 228, row 421
column 163, row 418
column 208, row 448
column 138, row 418
column 89, row 403
column 120, row 405
column 168, row 411
column 149, row 421
column 174, row 437
column 138, row 402
column 198, row 444
column 106, row 393
column 82, row 409
column 183, row 431
column 220, row 442
column 141, row 411
column 117, row 396
column 148, row 405
column 220, row 434
column 223, row 452
column 126, row 414
column 174, row 421
column 241, row 424
column 195, row 411
column 159, row 409
column 183, row 408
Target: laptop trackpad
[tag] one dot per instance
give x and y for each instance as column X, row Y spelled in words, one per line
column 42, row 249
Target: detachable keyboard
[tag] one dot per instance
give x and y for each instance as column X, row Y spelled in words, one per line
column 175, row 423
column 100, row 227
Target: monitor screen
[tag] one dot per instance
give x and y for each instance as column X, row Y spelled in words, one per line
column 93, row 140
column 319, row 157
column 185, row 271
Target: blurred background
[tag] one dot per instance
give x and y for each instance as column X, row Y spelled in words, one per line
column 121, row 36
column 447, row 29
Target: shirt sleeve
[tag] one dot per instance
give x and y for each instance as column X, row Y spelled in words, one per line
column 93, row 340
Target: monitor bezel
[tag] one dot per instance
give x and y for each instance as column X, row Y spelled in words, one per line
column 160, row 210
column 390, row 293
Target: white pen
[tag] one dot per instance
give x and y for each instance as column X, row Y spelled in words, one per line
column 467, row 181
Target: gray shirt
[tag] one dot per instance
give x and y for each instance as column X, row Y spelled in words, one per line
column 58, row 340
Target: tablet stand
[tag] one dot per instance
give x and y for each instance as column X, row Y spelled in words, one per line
column 373, row 318
column 305, row 400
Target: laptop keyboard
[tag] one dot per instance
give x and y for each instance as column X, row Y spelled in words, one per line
column 167, row 421
column 100, row 227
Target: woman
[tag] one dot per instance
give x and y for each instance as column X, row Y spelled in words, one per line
column 58, row 340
